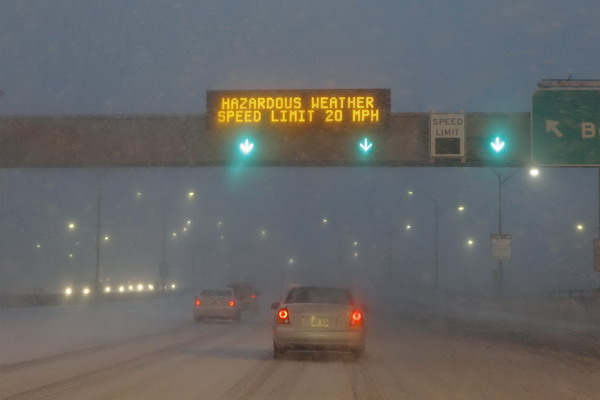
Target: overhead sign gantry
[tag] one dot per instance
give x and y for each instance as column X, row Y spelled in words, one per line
column 321, row 127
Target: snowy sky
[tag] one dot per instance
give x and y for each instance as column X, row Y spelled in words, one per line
column 158, row 56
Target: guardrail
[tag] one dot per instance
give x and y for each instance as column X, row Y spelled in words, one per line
column 52, row 299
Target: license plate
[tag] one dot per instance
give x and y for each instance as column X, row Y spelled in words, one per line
column 317, row 322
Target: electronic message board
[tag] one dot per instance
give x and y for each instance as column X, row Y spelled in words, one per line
column 297, row 110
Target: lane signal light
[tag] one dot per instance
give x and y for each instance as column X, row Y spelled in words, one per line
column 246, row 147
column 498, row 144
column 365, row 145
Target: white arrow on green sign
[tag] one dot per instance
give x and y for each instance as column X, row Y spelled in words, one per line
column 565, row 127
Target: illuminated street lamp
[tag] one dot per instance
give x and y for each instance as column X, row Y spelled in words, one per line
column 534, row 172
column 580, row 227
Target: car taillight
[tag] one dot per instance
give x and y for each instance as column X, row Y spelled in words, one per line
column 231, row 303
column 283, row 316
column 356, row 318
column 198, row 303
column 253, row 296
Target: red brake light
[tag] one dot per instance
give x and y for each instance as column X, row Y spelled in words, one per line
column 283, row 316
column 356, row 318
column 198, row 303
column 231, row 303
column 253, row 296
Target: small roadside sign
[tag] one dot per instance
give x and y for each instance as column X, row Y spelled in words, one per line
column 501, row 246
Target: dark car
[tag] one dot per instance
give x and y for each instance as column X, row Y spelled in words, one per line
column 246, row 294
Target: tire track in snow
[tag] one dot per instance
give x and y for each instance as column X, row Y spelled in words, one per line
column 253, row 380
column 74, row 383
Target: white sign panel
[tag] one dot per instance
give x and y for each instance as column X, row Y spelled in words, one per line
column 447, row 135
column 501, row 246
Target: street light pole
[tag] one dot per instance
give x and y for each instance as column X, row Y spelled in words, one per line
column 163, row 269
column 99, row 177
column 435, row 240
column 389, row 250
column 436, row 272
column 499, row 279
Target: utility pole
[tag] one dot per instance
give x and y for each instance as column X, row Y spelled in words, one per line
column 99, row 176
column 436, row 212
column 500, row 277
column 436, row 246
column 389, row 252
column 163, row 269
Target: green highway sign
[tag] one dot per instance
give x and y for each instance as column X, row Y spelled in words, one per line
column 565, row 127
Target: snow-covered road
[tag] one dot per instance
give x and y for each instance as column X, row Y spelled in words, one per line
column 153, row 350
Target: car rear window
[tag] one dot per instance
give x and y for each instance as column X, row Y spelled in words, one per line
column 216, row 292
column 319, row 295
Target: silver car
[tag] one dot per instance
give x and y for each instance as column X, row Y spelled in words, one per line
column 318, row 318
column 217, row 304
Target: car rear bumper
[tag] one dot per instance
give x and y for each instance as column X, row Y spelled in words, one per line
column 216, row 312
column 285, row 337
